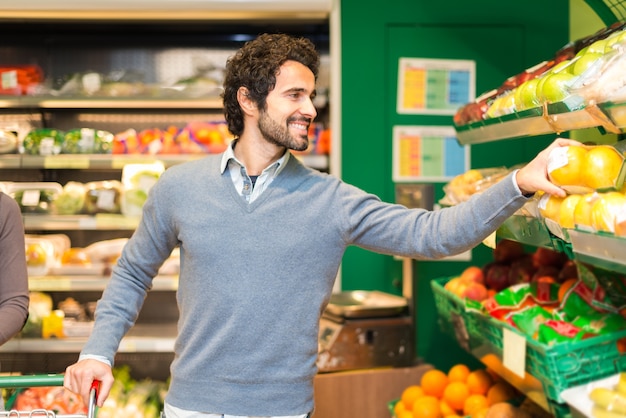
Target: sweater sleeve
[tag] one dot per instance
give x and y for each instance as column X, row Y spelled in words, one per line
column 13, row 272
column 131, row 278
column 422, row 234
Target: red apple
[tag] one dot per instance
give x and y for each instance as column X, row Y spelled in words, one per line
column 546, row 271
column 568, row 271
column 507, row 250
column 521, row 270
column 548, row 257
column 497, row 276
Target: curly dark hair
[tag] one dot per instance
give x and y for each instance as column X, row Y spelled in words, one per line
column 255, row 66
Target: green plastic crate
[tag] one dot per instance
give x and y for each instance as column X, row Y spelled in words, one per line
column 453, row 316
column 564, row 365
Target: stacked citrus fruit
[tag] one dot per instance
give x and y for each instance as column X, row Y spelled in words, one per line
column 461, row 392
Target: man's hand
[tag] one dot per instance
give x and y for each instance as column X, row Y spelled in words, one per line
column 79, row 377
column 534, row 175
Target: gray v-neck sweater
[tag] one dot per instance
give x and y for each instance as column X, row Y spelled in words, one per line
column 255, row 277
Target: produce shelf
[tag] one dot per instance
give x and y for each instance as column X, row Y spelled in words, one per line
column 602, row 250
column 98, row 222
column 152, row 338
column 118, row 161
column 527, row 230
column 91, row 283
column 44, row 102
column 554, row 119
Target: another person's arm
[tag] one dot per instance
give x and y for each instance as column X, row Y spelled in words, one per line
column 13, row 271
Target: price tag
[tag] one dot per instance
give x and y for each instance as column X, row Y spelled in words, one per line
column 31, row 197
column 514, row 352
column 106, row 199
column 8, row 80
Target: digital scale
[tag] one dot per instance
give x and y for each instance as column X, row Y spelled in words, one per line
column 365, row 329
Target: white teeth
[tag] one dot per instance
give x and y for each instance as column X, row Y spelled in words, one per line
column 298, row 126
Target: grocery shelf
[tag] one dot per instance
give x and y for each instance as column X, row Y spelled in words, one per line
column 91, row 283
column 602, row 250
column 142, row 338
column 45, row 102
column 118, row 161
column 99, row 222
column 553, row 119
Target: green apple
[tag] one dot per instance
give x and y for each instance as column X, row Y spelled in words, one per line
column 526, row 95
column 597, row 46
column 555, row 87
column 585, row 61
column 613, row 40
column 564, row 65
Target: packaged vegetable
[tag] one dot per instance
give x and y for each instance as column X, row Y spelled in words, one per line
column 43, row 141
column 34, row 197
column 71, row 199
column 87, row 141
column 137, row 180
column 103, row 197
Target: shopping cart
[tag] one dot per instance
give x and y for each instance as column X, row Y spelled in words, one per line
column 41, row 380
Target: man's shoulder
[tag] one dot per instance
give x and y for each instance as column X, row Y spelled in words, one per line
column 195, row 166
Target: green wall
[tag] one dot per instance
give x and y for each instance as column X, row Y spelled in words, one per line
column 503, row 38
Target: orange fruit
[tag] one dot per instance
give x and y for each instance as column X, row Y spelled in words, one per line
column 409, row 395
column 500, row 392
column 399, row 408
column 601, row 166
column 405, row 414
column 481, row 413
column 427, row 407
column 446, row 409
column 566, row 210
column 550, row 206
column 582, row 211
column 455, row 395
column 458, row 373
column 605, row 209
column 479, row 381
column 433, row 382
column 564, row 165
column 475, row 403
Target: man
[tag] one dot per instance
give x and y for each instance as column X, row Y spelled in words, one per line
column 261, row 239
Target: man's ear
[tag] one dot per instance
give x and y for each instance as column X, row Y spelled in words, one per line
column 247, row 104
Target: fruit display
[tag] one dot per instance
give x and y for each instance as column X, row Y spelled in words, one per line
column 602, row 398
column 587, row 71
column 473, row 181
column 459, row 392
column 543, row 294
column 580, row 169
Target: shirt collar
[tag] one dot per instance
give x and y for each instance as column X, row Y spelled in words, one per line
column 229, row 155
